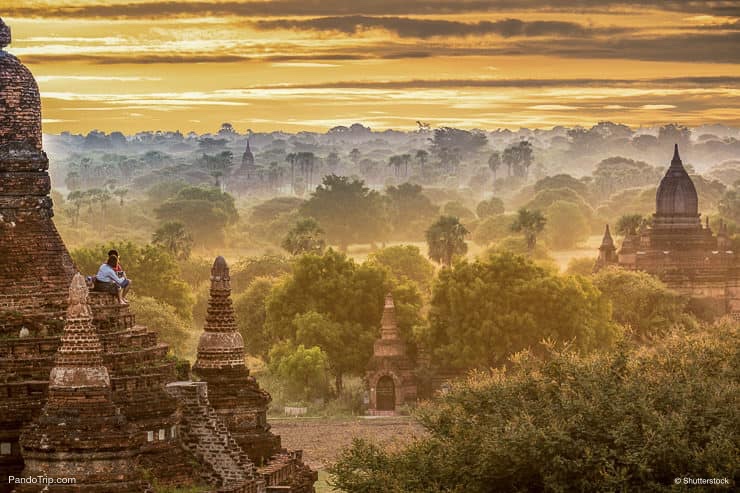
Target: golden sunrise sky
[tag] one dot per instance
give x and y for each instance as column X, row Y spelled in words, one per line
column 294, row 65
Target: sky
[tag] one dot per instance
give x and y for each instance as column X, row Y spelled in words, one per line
column 293, row 65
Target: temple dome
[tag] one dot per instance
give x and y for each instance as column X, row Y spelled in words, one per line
column 20, row 104
column 676, row 194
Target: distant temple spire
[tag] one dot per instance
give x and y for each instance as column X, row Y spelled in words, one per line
column 607, row 241
column 676, row 157
column 607, row 251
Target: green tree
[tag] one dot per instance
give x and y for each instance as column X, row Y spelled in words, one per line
column 347, row 210
column 173, row 237
column 729, row 204
column 251, row 312
column 344, row 293
column 492, row 228
column 305, row 237
column 246, row 270
column 345, row 344
column 161, row 317
column 120, row 193
column 483, row 311
column 153, row 270
column 490, row 207
column 446, row 239
column 531, row 223
column 301, row 370
column 494, row 163
column 581, row 266
column 405, row 262
column 205, row 213
column 409, row 211
column 633, row 419
column 628, row 224
column 518, row 158
column 458, row 210
column 567, row 225
column 642, row 302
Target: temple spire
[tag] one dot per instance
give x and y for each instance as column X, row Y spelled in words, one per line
column 221, row 345
column 389, row 328
column 676, row 163
column 607, row 241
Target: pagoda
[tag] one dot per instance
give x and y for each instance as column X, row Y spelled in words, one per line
column 80, row 433
column 686, row 255
column 390, row 374
column 236, row 396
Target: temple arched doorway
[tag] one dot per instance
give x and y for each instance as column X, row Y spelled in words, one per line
column 385, row 394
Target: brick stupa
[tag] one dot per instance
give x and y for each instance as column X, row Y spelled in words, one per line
column 33, row 297
column 178, row 438
column 390, row 373
column 80, row 433
column 235, row 394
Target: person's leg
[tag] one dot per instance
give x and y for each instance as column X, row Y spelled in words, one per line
column 120, row 296
column 124, row 291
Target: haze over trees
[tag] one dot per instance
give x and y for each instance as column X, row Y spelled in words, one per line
column 485, row 239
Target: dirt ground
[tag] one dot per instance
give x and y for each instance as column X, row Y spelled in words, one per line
column 321, row 439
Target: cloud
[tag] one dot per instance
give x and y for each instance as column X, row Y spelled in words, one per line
column 657, row 107
column 673, row 82
column 426, row 28
column 280, row 8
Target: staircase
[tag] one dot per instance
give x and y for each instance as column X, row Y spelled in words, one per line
column 205, row 435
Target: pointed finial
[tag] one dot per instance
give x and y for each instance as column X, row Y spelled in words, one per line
column 220, row 269
column 676, row 157
column 78, row 293
column 389, row 301
column 607, row 241
column 5, row 37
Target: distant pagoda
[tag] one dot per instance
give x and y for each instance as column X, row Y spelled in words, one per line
column 676, row 248
column 390, row 373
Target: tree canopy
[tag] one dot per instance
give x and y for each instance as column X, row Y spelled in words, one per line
column 483, row 311
column 347, row 210
column 628, row 420
column 446, row 239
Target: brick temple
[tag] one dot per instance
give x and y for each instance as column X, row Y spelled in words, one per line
column 390, row 374
column 675, row 247
column 85, row 391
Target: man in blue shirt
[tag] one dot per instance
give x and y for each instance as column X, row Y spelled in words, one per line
column 107, row 280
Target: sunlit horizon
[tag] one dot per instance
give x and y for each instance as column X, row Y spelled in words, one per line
column 291, row 66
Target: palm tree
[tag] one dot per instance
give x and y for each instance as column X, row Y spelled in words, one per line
column 405, row 160
column 291, row 158
column 77, row 198
column 531, row 223
column 120, row 193
column 217, row 175
column 422, row 156
column 395, row 162
column 174, row 238
column 446, row 239
column 494, row 163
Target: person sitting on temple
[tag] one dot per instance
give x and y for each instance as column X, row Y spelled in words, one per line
column 118, row 268
column 107, row 280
